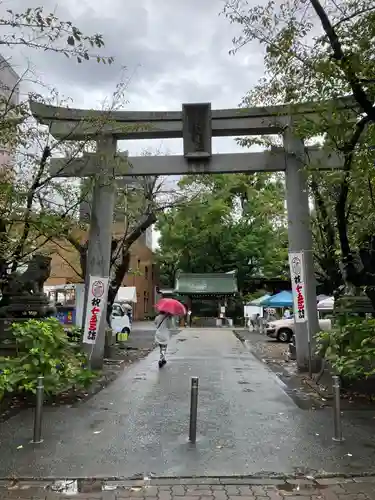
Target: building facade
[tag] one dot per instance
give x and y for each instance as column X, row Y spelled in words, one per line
column 142, row 273
column 9, row 98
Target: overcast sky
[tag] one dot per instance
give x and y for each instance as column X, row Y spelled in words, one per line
column 174, row 51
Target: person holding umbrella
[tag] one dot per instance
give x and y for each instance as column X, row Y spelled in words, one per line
column 167, row 309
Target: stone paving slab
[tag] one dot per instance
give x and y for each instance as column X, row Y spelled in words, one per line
column 241, row 488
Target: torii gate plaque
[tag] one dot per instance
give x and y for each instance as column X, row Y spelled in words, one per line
column 196, row 125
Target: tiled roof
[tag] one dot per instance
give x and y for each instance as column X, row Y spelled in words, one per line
column 203, row 284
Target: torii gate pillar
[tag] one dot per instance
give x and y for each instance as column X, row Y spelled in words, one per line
column 300, row 240
column 98, row 258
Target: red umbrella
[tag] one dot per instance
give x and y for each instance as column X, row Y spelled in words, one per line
column 171, row 306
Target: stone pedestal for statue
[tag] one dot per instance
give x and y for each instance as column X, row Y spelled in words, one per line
column 27, row 306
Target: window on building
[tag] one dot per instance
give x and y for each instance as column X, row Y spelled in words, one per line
column 145, row 302
column 139, row 263
column 146, row 272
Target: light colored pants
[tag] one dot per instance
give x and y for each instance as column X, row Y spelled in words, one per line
column 163, row 350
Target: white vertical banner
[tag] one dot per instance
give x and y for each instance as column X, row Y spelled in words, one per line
column 96, row 302
column 297, row 275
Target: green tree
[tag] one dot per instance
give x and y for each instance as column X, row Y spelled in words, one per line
column 309, row 61
column 325, row 238
column 234, row 222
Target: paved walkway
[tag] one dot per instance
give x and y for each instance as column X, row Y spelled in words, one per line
column 196, row 489
column 247, row 424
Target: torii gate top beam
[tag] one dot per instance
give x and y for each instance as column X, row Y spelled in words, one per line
column 79, row 124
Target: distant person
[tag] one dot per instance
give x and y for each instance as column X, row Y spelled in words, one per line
column 253, row 320
column 129, row 312
column 189, row 317
column 163, row 323
column 287, row 314
column 258, row 321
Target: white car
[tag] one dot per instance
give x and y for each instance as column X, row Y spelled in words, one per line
column 283, row 329
column 120, row 320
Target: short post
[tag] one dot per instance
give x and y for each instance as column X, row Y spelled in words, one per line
column 336, row 410
column 193, row 409
column 37, row 439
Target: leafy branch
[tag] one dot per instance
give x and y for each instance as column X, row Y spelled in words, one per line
column 344, row 61
column 38, row 30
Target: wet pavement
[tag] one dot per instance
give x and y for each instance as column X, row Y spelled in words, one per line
column 248, row 423
column 142, row 335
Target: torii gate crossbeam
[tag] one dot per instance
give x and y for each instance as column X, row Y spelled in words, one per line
column 124, row 166
column 78, row 124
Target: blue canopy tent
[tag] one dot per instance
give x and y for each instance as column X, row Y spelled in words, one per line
column 282, row 299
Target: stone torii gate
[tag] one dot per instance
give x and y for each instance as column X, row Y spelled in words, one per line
column 196, row 124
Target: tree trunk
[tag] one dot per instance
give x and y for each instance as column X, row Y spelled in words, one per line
column 326, row 235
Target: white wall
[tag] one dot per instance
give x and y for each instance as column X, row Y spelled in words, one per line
column 250, row 310
column 9, row 89
column 149, row 238
column 9, row 82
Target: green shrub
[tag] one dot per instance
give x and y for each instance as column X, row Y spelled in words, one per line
column 9, row 376
column 75, row 334
column 350, row 348
column 43, row 349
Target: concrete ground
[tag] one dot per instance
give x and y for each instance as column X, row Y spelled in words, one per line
column 247, row 423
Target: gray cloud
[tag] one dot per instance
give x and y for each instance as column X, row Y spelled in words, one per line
column 175, row 51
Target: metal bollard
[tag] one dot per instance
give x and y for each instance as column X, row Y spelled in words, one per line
column 37, row 439
column 336, row 410
column 193, row 409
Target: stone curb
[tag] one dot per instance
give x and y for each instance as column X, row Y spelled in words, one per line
column 113, row 483
column 210, row 488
